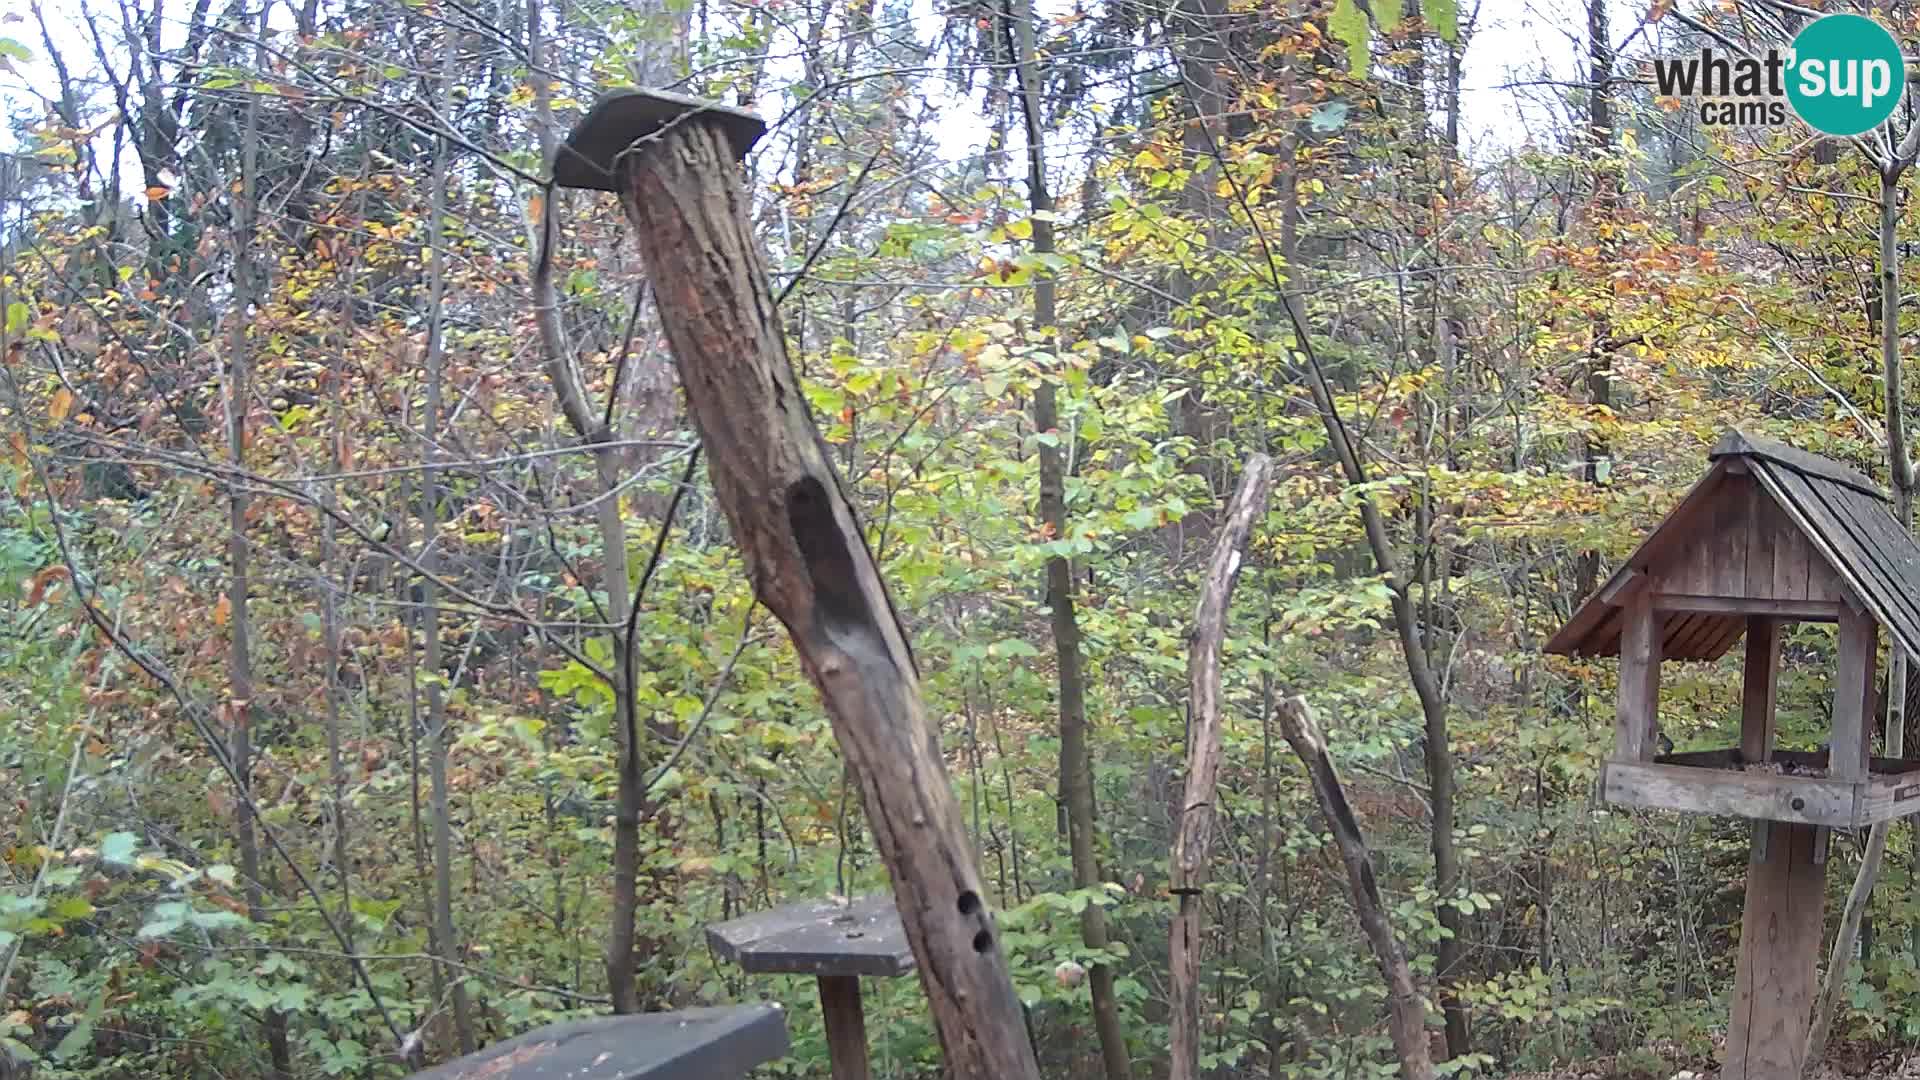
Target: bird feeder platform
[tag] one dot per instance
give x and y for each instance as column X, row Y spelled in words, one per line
column 1790, row 786
column 722, row 1043
column 835, row 942
column 1771, row 535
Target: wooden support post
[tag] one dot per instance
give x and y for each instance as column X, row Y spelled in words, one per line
column 1637, row 708
column 1760, row 685
column 674, row 162
column 1853, row 695
column 846, row 1026
column 1780, row 937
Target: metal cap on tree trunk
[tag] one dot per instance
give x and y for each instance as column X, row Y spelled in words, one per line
column 622, row 118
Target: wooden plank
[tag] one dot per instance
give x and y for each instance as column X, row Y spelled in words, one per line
column 1674, row 633
column 1790, row 610
column 1853, row 696
column 817, row 937
column 723, row 1042
column 1735, row 629
column 1888, row 796
column 1759, row 687
column 1893, row 548
column 846, row 1023
column 1780, row 937
column 1791, row 552
column 1730, row 793
column 1762, row 521
column 1732, row 522
column 1818, row 527
column 1636, row 711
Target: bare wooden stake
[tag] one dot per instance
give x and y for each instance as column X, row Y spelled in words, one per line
column 673, row 162
column 1195, row 838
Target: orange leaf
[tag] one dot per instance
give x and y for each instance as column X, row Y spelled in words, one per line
column 158, row 192
column 222, row 610
column 61, row 405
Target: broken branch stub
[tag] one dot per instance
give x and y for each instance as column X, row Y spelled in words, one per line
column 810, row 565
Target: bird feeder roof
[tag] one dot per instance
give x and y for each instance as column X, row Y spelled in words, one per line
column 1769, row 529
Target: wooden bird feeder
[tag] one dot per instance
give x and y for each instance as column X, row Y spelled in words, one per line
column 836, row 943
column 1770, row 536
column 722, row 1043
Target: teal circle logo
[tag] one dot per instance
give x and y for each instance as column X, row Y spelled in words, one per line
column 1845, row 74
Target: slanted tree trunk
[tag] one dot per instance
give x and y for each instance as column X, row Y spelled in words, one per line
column 1076, row 761
column 1193, row 844
column 810, row 565
column 1406, row 1011
column 240, row 705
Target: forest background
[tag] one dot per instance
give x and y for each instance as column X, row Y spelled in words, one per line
column 378, row 679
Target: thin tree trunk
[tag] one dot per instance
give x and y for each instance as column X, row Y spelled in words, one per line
column 1076, row 761
column 437, row 736
column 1193, row 843
column 569, row 389
column 1406, row 1012
column 1900, row 466
column 248, row 289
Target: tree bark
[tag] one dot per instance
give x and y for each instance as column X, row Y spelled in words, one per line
column 1193, row 843
column 1900, row 467
column 1406, row 1012
column 1076, row 760
column 240, row 711
column 810, row 565
column 621, row 963
column 439, row 809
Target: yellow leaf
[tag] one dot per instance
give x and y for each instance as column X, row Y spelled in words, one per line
column 222, row 610
column 1149, row 159
column 61, row 405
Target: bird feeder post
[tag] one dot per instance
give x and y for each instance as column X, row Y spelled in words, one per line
column 674, row 162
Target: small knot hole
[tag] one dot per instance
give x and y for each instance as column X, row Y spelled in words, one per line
column 983, row 941
column 969, row 902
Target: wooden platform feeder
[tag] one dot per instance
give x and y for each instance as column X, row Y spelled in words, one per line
column 837, row 943
column 722, row 1043
column 1770, row 536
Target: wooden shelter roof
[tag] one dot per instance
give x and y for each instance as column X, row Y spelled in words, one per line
column 1837, row 513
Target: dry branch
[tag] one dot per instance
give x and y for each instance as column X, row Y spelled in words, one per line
column 1406, row 1011
column 1195, row 838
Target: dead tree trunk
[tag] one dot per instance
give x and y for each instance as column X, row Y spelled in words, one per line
column 805, row 550
column 1406, row 1012
column 1193, row 842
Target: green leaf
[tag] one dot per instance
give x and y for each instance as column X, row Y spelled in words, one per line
column 119, row 847
column 1444, row 16
column 1349, row 24
column 17, row 316
column 1012, row 647
column 14, row 50
column 1387, row 14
